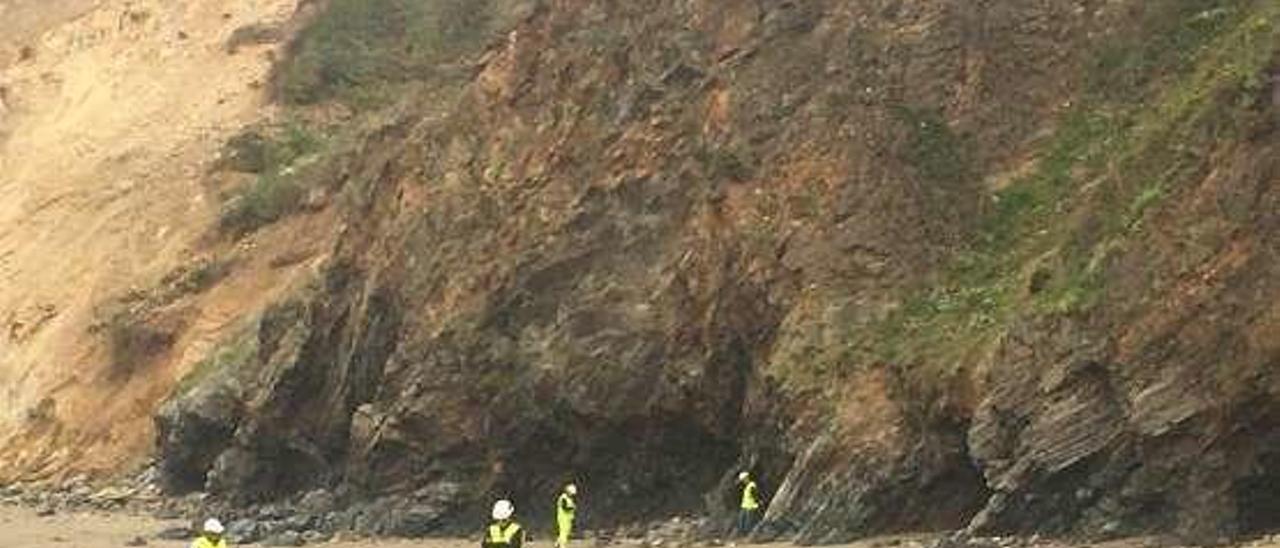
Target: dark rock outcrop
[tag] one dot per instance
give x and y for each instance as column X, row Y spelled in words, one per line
column 194, row 430
column 653, row 243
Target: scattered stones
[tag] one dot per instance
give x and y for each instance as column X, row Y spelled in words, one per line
column 286, row 538
column 175, row 533
column 167, row 513
column 678, row 531
column 299, row 523
column 273, row 512
column 394, row 516
column 111, row 497
column 244, row 531
column 136, row 541
column 417, row 521
column 315, row 537
column 318, row 501
column 347, row 536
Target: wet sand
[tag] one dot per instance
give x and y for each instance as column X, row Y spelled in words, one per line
column 22, row 528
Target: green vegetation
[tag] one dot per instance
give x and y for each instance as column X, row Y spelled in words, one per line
column 977, row 293
column 230, row 356
column 363, row 54
column 359, row 51
column 279, row 160
column 724, row 163
column 254, row 152
column 1176, row 32
column 1148, row 196
column 937, row 154
column 262, row 202
column 1044, row 242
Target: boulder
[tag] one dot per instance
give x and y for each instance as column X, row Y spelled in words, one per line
column 244, row 531
column 193, row 430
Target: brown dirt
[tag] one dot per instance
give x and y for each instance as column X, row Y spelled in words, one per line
column 106, row 133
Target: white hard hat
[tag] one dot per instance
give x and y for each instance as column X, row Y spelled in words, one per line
column 503, row 509
column 571, row 489
column 213, row 526
column 743, row 475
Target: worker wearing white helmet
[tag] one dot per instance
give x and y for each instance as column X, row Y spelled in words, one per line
column 210, row 535
column 503, row 531
column 566, row 509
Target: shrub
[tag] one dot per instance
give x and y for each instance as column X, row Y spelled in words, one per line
column 133, row 334
column 278, row 159
column 264, row 201
column 357, row 50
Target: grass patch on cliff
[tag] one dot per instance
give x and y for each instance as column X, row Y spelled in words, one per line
column 359, row 51
column 977, row 292
column 1045, row 240
column 229, row 357
column 265, row 151
column 264, row 201
column 1175, row 33
column 936, row 153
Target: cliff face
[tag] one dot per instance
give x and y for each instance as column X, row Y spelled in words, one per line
column 920, row 265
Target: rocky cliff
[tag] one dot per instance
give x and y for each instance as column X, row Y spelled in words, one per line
column 1007, row 266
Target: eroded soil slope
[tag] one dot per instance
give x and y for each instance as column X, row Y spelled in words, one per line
column 111, row 114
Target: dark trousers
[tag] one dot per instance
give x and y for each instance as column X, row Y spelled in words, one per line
column 747, row 520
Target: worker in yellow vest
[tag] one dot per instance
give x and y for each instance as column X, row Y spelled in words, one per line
column 749, row 509
column 210, row 535
column 566, row 509
column 503, row 531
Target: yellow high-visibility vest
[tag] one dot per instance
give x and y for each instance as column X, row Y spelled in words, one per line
column 749, row 501
column 565, row 507
column 204, row 542
column 503, row 535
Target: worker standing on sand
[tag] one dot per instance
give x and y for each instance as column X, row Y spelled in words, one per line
column 749, row 512
column 566, row 509
column 503, row 532
column 210, row 535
